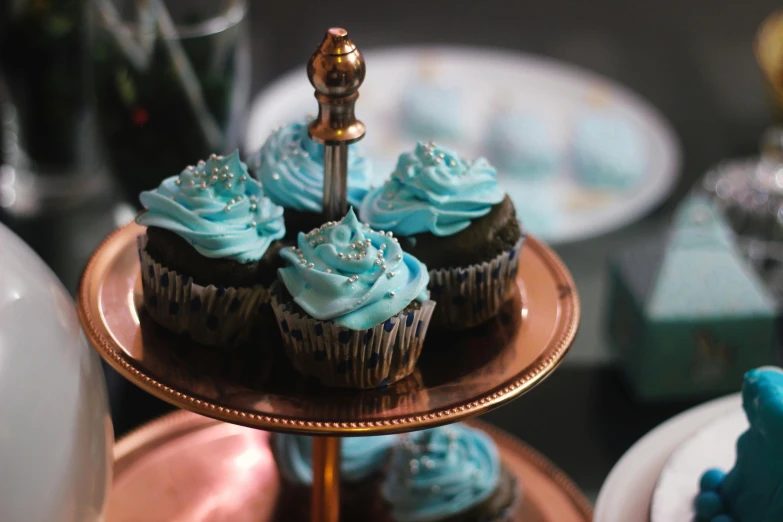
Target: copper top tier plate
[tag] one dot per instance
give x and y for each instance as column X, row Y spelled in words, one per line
column 458, row 375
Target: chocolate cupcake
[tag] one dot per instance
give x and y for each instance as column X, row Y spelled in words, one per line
column 210, row 251
column 363, row 462
column 290, row 166
column 452, row 215
column 447, row 474
column 353, row 308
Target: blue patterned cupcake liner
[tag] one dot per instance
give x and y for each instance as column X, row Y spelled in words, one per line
column 359, row 359
column 215, row 316
column 468, row 296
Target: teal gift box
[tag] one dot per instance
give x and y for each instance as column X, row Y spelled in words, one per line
column 687, row 315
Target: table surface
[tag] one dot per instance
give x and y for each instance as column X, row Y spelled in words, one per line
column 692, row 60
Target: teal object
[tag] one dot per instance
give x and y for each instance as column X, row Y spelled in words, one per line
column 753, row 489
column 687, row 315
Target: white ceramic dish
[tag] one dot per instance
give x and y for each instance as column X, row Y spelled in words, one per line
column 488, row 80
column 627, row 492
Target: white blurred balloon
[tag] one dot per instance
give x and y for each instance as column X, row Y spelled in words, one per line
column 55, row 431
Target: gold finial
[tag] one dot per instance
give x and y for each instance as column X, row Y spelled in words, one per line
column 336, row 70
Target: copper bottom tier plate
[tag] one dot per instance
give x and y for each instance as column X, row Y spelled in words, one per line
column 458, row 375
column 188, row 468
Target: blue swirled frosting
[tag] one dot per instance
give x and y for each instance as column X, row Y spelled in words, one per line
column 432, row 190
column 359, row 456
column 440, row 472
column 352, row 275
column 290, row 166
column 217, row 208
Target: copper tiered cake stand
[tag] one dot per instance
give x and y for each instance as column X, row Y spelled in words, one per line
column 218, row 466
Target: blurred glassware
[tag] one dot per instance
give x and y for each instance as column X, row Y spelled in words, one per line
column 49, row 152
column 171, row 83
column 749, row 192
column 56, row 440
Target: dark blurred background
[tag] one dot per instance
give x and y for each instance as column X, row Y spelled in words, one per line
column 692, row 60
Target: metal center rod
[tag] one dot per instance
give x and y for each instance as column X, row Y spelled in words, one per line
column 326, row 480
column 335, row 181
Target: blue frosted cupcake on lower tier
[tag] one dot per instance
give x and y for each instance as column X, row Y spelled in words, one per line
column 523, row 145
column 291, row 168
column 448, row 474
column 363, row 463
column 353, row 308
column 608, row 152
column 452, row 215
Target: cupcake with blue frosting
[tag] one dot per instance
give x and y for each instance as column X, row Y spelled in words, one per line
column 291, row 168
column 448, row 474
column 453, row 215
column 352, row 306
column 210, row 252
column 608, row 152
column 523, row 145
column 431, row 108
column 363, row 462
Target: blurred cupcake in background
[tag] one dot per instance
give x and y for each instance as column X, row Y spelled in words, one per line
column 290, row 167
column 523, row 144
column 448, row 474
column 363, row 463
column 607, row 151
column 210, row 251
column 430, row 107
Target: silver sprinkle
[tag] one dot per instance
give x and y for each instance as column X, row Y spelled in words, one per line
column 303, row 261
column 349, row 256
column 390, row 275
column 275, row 176
column 201, row 163
column 213, row 179
column 377, row 261
column 312, row 243
column 230, row 176
column 349, row 280
column 389, row 234
column 177, row 182
column 310, row 265
column 390, row 206
column 398, row 257
column 242, row 179
column 383, row 246
column 391, row 293
column 225, row 168
column 395, row 240
column 452, row 163
column 223, row 176
column 203, row 184
column 253, row 207
column 253, row 224
column 228, row 208
column 191, row 182
column 190, row 167
column 213, row 156
column 436, row 160
column 383, row 267
column 429, row 464
column 215, row 170
column 328, row 270
column 305, row 153
column 229, row 185
column 231, row 201
column 340, row 254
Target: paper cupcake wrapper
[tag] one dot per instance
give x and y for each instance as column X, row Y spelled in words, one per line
column 468, row 296
column 345, row 358
column 216, row 316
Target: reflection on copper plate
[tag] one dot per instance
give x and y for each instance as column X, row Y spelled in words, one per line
column 459, row 374
column 188, row 468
